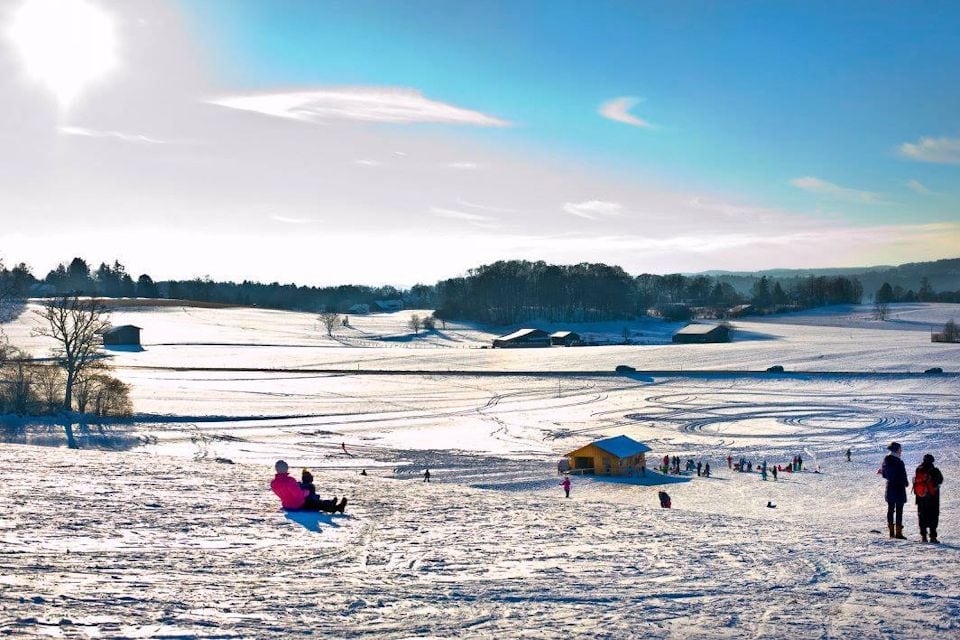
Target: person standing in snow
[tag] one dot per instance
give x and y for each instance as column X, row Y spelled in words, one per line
column 799, row 463
column 699, row 467
column 848, row 454
column 706, row 470
column 566, row 485
column 896, row 494
column 293, row 497
column 774, row 471
column 729, row 462
column 426, row 475
column 926, row 486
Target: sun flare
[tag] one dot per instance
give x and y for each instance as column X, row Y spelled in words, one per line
column 64, row 44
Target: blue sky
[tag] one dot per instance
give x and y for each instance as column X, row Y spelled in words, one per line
column 744, row 96
column 272, row 140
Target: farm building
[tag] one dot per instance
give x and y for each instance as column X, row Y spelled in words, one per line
column 740, row 310
column 125, row 335
column 701, row 333
column 387, row 305
column 615, row 456
column 359, row 309
column 565, row 338
column 523, row 338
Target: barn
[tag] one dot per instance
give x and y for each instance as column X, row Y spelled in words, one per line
column 523, row 338
column 126, row 335
column 617, row 456
column 702, row 333
column 565, row 339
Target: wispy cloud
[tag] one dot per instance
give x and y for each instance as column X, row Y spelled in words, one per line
column 367, row 163
column 619, row 109
column 462, row 165
column 117, row 135
column 484, row 207
column 919, row 187
column 938, row 150
column 365, row 104
column 288, row 220
column 822, row 187
column 593, row 209
column 486, row 222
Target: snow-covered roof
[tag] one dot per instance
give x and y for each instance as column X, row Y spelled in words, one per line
column 521, row 333
column 697, row 329
column 621, row 446
column 122, row 326
column 562, row 334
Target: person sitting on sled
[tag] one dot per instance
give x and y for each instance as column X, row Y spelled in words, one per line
column 293, row 497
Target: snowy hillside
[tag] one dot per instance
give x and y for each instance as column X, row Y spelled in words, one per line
column 161, row 537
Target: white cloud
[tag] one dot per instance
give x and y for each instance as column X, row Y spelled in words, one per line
column 619, row 109
column 816, row 185
column 365, row 104
column 288, row 220
column 593, row 209
column 938, row 150
column 475, row 219
column 484, row 207
column 126, row 137
column 916, row 185
column 368, row 163
column 462, row 165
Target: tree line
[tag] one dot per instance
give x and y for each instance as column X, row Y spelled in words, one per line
column 502, row 293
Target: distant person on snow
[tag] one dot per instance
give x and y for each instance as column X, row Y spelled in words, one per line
column 706, row 470
column 363, row 472
column 426, row 475
column 729, row 462
column 799, row 463
column 699, row 467
column 773, row 470
column 293, row 497
column 896, row 495
column 848, row 455
column 926, row 486
column 566, row 485
column 664, row 499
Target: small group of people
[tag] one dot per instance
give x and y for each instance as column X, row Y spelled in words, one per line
column 302, row 495
column 671, row 464
column 926, row 487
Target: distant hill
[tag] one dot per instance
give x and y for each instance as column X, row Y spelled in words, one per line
column 944, row 275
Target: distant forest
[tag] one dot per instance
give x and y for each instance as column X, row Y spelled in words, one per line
column 508, row 292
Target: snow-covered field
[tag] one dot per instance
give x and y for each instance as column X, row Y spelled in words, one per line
column 167, row 540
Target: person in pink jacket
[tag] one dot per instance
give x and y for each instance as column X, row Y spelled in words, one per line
column 566, row 485
column 295, row 498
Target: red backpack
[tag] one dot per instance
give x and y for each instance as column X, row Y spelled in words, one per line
column 923, row 484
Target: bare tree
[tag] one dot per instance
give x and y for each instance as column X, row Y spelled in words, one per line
column 881, row 310
column 415, row 323
column 429, row 323
column 75, row 324
column 329, row 320
column 950, row 332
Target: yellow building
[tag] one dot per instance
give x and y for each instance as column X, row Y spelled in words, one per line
column 617, row 456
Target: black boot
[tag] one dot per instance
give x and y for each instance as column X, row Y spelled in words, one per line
column 342, row 505
column 900, row 535
column 933, row 536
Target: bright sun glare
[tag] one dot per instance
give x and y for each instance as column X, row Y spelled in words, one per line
column 64, row 44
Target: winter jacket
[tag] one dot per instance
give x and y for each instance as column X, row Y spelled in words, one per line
column 937, row 479
column 896, row 476
column 291, row 495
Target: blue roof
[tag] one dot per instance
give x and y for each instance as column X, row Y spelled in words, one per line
column 621, row 446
